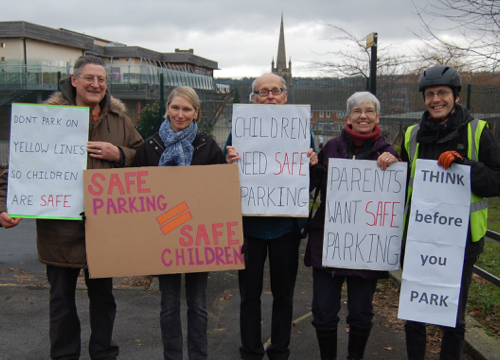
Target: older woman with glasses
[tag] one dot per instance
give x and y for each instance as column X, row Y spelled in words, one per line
column 360, row 139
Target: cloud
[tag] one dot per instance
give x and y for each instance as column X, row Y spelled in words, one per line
column 241, row 36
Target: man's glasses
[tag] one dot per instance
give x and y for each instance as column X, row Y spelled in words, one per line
column 265, row 92
column 89, row 79
column 441, row 94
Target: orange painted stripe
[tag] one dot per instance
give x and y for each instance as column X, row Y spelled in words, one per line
column 176, row 210
column 171, row 225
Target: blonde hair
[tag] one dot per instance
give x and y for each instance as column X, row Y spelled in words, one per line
column 187, row 93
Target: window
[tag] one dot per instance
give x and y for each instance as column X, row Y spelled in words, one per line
column 328, row 114
column 2, row 45
column 321, row 114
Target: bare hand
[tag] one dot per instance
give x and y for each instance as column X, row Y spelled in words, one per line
column 104, row 151
column 385, row 160
column 7, row 222
column 313, row 158
column 231, row 155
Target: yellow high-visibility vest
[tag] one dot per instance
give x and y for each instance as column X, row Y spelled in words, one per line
column 478, row 205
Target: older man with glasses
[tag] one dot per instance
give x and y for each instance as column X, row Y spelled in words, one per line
column 278, row 237
column 113, row 141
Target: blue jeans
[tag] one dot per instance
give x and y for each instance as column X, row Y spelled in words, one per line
column 170, row 315
column 327, row 290
column 64, row 328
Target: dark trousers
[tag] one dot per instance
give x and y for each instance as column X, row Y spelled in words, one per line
column 64, row 327
column 327, row 292
column 453, row 337
column 283, row 264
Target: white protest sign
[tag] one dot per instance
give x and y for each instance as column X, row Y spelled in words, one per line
column 273, row 141
column 363, row 215
column 435, row 245
column 46, row 161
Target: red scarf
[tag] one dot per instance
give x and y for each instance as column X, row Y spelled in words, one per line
column 358, row 139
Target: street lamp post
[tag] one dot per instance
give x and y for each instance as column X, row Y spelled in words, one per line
column 371, row 42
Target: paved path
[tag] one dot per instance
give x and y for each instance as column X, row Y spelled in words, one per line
column 24, row 312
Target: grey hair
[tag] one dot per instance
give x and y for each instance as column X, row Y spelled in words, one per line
column 283, row 82
column 362, row 97
column 84, row 60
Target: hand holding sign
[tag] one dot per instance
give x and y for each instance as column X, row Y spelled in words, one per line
column 7, row 222
column 231, row 155
column 104, row 151
column 449, row 157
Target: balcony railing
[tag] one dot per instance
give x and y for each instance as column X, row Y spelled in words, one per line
column 44, row 76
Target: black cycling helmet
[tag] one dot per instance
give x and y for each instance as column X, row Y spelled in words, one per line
column 440, row 75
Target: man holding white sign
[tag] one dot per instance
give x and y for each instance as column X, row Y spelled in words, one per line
column 113, row 141
column 278, row 236
column 448, row 133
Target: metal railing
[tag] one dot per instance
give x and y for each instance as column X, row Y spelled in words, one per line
column 44, row 77
column 483, row 273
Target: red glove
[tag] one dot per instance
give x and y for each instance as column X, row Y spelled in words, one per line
column 449, row 157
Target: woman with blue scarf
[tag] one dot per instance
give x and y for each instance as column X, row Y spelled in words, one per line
column 178, row 143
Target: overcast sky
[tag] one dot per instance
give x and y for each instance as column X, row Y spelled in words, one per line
column 242, row 36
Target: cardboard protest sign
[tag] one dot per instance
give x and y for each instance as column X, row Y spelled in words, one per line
column 364, row 215
column 273, row 141
column 46, row 161
column 435, row 245
column 160, row 220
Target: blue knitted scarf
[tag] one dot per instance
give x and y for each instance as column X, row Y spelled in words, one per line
column 178, row 148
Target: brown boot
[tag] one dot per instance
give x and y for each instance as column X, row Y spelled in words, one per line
column 327, row 341
column 358, row 338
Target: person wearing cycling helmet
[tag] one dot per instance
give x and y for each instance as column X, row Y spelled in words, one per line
column 443, row 135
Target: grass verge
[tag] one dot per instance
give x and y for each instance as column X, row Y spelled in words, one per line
column 484, row 297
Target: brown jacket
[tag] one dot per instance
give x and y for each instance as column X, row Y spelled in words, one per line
column 62, row 242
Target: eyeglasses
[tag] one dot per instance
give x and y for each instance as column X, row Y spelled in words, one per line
column 368, row 112
column 265, row 92
column 89, row 79
column 441, row 94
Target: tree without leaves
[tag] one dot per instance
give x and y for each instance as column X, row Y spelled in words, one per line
column 478, row 22
column 353, row 58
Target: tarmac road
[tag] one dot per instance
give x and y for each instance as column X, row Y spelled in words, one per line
column 24, row 312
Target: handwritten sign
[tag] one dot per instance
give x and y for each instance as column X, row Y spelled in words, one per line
column 47, row 158
column 435, row 245
column 161, row 220
column 364, row 215
column 273, row 141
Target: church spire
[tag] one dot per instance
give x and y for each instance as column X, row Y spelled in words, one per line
column 281, row 58
column 281, row 69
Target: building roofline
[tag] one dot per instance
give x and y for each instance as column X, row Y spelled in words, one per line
column 23, row 29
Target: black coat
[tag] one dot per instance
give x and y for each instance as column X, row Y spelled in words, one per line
column 206, row 151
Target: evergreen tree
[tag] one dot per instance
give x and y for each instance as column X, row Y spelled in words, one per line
column 236, row 99
column 149, row 120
